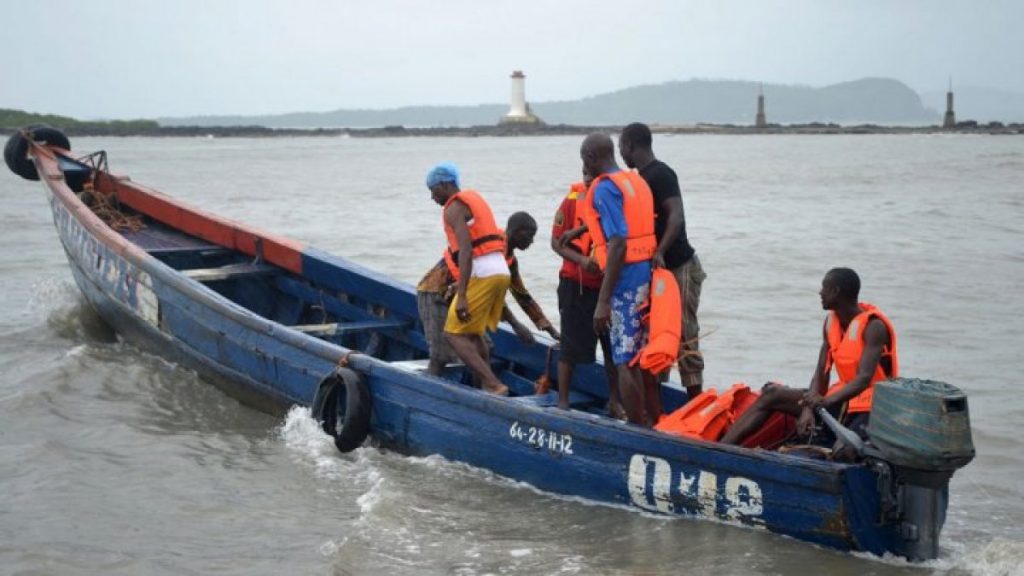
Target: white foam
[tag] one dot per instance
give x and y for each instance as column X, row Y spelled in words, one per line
column 431, row 461
column 330, row 548
column 369, row 499
column 520, row 552
column 303, row 434
column 572, row 565
column 999, row 557
column 76, row 351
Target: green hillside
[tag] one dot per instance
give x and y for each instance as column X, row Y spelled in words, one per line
column 12, row 120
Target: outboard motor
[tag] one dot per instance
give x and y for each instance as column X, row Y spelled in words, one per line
column 920, row 433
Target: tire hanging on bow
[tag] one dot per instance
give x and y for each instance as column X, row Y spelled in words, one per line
column 342, row 406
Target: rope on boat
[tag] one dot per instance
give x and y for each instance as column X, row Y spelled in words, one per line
column 106, row 206
column 690, row 352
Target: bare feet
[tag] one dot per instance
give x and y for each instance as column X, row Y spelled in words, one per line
column 496, row 388
column 615, row 411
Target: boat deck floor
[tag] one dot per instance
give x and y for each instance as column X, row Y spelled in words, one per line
column 157, row 238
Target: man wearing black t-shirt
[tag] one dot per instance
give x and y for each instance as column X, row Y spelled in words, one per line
column 674, row 251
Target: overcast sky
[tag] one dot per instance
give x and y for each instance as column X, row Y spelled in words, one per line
column 149, row 58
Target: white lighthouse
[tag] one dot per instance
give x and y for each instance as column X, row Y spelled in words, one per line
column 517, row 97
column 519, row 110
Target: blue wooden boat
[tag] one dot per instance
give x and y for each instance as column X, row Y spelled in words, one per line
column 277, row 323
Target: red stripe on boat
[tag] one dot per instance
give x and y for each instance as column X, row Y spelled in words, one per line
column 277, row 250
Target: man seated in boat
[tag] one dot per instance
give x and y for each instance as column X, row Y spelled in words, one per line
column 476, row 258
column 437, row 287
column 619, row 214
column 858, row 341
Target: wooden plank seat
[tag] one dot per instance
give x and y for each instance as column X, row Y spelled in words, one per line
column 230, row 271
column 332, row 304
column 337, row 329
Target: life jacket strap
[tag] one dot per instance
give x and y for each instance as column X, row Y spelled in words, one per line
column 477, row 242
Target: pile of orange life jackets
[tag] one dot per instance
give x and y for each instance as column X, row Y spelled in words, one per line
column 710, row 414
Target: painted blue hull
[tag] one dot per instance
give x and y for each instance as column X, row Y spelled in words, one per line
column 576, row 453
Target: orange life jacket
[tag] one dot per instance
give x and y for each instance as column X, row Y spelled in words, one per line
column 708, row 415
column 664, row 322
column 638, row 210
column 483, row 231
column 578, row 192
column 845, row 350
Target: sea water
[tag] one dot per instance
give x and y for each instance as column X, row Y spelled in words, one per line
column 114, row 461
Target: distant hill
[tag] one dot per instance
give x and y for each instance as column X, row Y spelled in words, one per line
column 869, row 100
column 12, row 120
column 981, row 104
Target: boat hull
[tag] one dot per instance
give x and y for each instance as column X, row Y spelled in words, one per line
column 566, row 452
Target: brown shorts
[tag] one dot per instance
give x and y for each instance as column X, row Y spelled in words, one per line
column 690, row 277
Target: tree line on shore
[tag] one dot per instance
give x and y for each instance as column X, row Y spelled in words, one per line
column 12, row 120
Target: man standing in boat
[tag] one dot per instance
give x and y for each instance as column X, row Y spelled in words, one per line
column 674, row 251
column 619, row 214
column 476, row 258
column 437, row 287
column 858, row 341
column 579, row 282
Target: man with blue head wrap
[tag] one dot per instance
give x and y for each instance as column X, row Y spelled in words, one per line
column 435, row 291
column 443, row 172
column 475, row 259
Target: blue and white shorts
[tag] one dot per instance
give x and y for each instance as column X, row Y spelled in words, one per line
column 628, row 335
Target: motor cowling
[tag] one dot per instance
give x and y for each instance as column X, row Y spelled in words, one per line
column 921, row 424
column 920, row 431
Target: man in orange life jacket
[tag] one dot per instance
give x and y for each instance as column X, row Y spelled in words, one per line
column 579, row 282
column 476, row 256
column 858, row 340
column 437, row 287
column 619, row 213
column 674, row 252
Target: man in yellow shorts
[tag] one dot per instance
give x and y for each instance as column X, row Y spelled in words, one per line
column 476, row 259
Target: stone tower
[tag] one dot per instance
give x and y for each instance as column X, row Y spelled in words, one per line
column 949, row 121
column 519, row 110
column 760, row 121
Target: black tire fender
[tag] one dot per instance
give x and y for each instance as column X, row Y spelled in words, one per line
column 342, row 406
column 16, row 149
